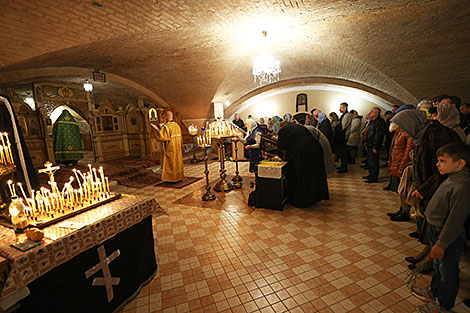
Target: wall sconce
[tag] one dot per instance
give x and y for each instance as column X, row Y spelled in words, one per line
column 88, row 86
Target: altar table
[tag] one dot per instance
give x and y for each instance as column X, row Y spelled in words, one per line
column 92, row 262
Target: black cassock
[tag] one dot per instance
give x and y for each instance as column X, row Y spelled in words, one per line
column 24, row 163
column 306, row 177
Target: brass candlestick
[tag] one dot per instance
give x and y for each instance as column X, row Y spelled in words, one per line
column 237, row 179
column 208, row 195
column 222, row 185
column 194, row 159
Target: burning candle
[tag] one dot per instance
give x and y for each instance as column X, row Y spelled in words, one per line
column 107, row 185
column 2, row 156
column 4, row 147
column 11, row 188
column 9, row 148
column 22, row 190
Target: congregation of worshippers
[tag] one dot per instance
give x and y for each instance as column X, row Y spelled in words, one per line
column 425, row 150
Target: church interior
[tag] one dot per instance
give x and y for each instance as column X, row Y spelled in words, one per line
column 110, row 71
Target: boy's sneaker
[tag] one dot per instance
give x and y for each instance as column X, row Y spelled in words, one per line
column 423, row 293
column 431, row 307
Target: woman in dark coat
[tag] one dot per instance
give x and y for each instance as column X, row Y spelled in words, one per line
column 324, row 125
column 306, row 177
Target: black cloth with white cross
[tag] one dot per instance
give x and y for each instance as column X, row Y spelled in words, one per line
column 116, row 270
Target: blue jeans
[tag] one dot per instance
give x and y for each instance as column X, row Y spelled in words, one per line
column 373, row 161
column 445, row 281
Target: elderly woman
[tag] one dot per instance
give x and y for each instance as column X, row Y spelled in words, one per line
column 252, row 143
column 449, row 116
column 276, row 124
column 428, row 137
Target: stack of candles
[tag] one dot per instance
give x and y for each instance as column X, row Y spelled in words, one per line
column 192, row 130
column 6, row 157
column 221, row 128
column 204, row 140
column 93, row 187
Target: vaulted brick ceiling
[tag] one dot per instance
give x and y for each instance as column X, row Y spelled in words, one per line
column 193, row 52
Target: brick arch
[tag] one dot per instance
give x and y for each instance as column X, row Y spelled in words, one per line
column 383, row 99
column 47, row 72
column 316, row 63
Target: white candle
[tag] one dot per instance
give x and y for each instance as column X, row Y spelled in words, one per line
column 107, row 185
column 22, row 190
column 9, row 149
column 78, row 180
column 4, row 146
column 2, row 156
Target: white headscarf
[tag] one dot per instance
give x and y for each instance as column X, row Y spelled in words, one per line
column 251, row 125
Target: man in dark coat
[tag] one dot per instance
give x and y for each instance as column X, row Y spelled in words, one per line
column 25, row 171
column 239, row 122
column 373, row 140
column 306, row 177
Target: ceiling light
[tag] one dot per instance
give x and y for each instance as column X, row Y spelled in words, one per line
column 227, row 102
column 266, row 68
column 88, row 86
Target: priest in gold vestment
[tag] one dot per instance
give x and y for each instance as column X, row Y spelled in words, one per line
column 172, row 165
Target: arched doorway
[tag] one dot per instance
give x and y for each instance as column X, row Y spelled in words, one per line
column 85, row 130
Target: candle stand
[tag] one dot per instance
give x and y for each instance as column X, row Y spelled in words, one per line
column 194, row 159
column 237, row 179
column 208, row 195
column 223, row 184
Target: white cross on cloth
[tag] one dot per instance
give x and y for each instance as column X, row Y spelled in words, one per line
column 106, row 280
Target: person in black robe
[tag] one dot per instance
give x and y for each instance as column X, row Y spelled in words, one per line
column 25, row 171
column 306, row 177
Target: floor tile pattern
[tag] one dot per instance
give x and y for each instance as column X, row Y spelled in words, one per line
column 341, row 255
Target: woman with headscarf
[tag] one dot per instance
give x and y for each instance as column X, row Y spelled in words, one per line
column 449, row 116
column 306, row 177
column 252, row 143
column 428, row 136
column 401, row 146
column 276, row 124
column 324, row 125
column 334, row 120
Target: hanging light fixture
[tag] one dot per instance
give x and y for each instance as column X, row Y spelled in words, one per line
column 88, row 86
column 266, row 68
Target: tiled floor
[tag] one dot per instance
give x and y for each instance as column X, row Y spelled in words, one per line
column 342, row 255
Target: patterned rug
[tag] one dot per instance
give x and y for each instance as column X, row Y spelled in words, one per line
column 135, row 162
column 136, row 178
column 128, row 172
column 235, row 200
column 187, row 180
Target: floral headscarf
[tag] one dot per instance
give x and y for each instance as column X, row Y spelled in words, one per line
column 448, row 115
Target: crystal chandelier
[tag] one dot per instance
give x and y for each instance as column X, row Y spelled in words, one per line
column 266, row 67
